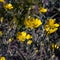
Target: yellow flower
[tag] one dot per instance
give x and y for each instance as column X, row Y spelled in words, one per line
column 51, row 26
column 8, row 6
column 2, row 1
column 42, row 10
column 32, row 23
column 2, row 58
column 54, row 46
column 21, row 36
column 29, row 42
column 1, row 33
column 28, row 22
column 28, row 36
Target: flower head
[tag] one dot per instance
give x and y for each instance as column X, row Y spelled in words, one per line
column 8, row 6
column 32, row 23
column 22, row 36
column 51, row 26
column 42, row 10
column 54, row 46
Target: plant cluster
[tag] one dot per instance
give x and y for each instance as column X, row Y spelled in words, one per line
column 29, row 29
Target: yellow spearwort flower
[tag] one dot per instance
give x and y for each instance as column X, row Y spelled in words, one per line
column 2, row 1
column 2, row 58
column 32, row 23
column 51, row 26
column 43, row 10
column 8, row 6
column 29, row 22
column 21, row 36
column 56, row 25
column 29, row 42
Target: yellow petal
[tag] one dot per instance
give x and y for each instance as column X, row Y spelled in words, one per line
column 57, row 47
column 32, row 23
column 8, row 6
column 47, row 27
column 28, row 36
column 2, row 58
column 38, row 22
column 56, row 25
column 1, row 19
column 28, row 23
column 53, row 46
column 21, row 36
column 23, row 33
column 43, row 10
column 51, row 22
column 53, row 30
column 29, row 42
